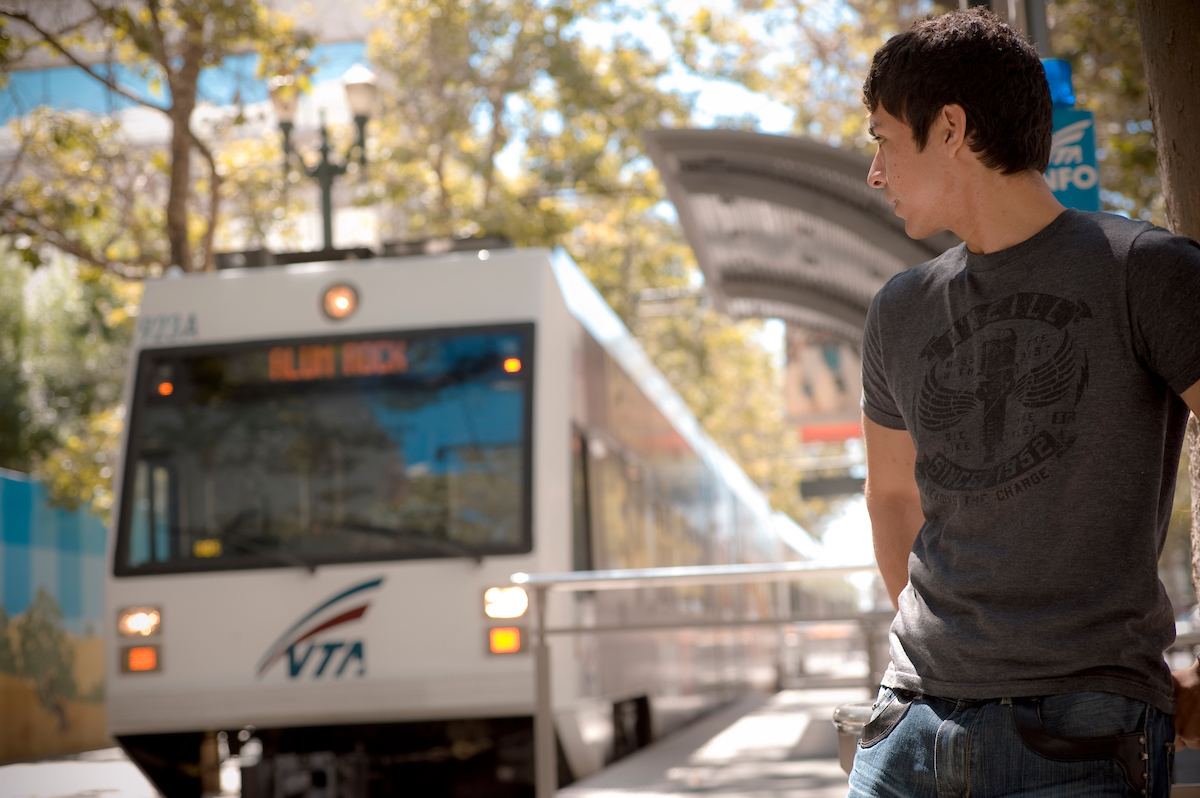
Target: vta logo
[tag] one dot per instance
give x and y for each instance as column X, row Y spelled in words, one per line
column 332, row 658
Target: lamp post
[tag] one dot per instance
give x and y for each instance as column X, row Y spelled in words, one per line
column 361, row 92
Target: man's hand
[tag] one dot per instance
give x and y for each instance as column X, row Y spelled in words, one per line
column 1187, row 706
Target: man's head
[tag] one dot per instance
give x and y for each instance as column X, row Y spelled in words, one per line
column 973, row 60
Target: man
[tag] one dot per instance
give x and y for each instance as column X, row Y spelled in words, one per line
column 1023, row 417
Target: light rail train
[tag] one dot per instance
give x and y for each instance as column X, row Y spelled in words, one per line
column 331, row 471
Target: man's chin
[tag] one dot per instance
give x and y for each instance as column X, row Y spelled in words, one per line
column 914, row 230
column 917, row 231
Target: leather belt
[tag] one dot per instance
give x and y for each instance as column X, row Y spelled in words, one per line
column 1128, row 750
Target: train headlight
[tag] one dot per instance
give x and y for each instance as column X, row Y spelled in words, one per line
column 505, row 602
column 139, row 621
column 339, row 302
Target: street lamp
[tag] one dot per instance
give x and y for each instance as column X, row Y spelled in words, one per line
column 360, row 94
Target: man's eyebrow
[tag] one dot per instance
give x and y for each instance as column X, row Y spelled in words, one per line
column 871, row 129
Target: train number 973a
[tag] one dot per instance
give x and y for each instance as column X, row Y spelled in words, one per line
column 165, row 328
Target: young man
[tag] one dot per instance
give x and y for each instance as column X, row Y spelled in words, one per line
column 1024, row 402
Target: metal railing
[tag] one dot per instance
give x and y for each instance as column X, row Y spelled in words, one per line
column 545, row 751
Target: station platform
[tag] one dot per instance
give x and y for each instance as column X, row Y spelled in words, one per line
column 778, row 745
column 765, row 746
column 762, row 745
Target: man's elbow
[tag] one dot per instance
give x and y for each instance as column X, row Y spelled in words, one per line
column 885, row 496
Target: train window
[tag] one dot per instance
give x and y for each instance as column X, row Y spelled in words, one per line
column 337, row 450
column 150, row 534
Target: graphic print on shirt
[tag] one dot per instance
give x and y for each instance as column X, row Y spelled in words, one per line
column 997, row 403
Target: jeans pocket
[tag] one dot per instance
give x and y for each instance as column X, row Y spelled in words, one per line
column 1091, row 714
column 1126, row 748
column 891, row 710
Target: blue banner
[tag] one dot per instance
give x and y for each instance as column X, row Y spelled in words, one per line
column 1073, row 175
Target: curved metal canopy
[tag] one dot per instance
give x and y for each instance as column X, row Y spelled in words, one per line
column 785, row 227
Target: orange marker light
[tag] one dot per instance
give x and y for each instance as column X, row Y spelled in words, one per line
column 143, row 658
column 165, row 389
column 505, row 640
column 512, row 365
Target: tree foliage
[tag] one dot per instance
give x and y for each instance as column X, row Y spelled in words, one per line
column 465, row 81
column 1100, row 40
column 67, row 329
column 167, row 43
column 810, row 55
column 78, row 185
column 500, row 118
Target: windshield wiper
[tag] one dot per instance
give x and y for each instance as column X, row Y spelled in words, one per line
column 450, row 547
column 248, row 545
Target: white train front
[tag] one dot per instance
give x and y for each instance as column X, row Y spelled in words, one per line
column 328, row 466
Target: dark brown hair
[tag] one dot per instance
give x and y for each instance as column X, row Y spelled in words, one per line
column 972, row 59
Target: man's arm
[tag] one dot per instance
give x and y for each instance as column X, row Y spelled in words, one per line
column 893, row 502
column 1187, row 680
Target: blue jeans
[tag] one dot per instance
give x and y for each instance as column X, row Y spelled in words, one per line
column 942, row 748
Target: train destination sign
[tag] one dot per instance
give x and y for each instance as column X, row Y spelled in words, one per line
column 322, row 450
column 326, row 361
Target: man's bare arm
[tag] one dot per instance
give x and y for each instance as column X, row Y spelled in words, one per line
column 893, row 502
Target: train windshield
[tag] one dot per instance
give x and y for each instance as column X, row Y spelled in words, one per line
column 337, row 450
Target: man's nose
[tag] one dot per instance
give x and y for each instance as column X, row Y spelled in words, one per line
column 875, row 175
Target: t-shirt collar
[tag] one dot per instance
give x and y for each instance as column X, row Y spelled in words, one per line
column 997, row 260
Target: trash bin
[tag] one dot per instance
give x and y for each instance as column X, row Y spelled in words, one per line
column 849, row 720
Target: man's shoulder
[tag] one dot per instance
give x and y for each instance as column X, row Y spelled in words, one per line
column 1131, row 239
column 912, row 284
column 1119, row 231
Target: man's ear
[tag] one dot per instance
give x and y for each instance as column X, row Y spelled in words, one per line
column 950, row 127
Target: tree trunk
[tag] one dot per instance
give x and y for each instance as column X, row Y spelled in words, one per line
column 1170, row 33
column 183, row 102
column 181, row 180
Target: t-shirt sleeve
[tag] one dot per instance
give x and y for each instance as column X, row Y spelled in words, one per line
column 878, row 403
column 1164, row 305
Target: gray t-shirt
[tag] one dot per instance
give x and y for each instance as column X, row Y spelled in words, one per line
column 1040, row 385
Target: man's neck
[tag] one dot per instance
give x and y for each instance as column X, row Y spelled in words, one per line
column 1000, row 211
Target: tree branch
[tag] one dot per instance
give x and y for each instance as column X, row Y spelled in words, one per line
column 21, row 223
column 160, row 53
column 214, row 182
column 15, row 161
column 52, row 40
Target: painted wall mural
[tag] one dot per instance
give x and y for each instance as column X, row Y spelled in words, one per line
column 51, row 618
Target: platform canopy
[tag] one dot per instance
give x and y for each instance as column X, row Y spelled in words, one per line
column 785, row 227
